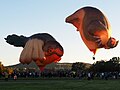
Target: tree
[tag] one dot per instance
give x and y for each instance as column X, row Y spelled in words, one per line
column 79, row 67
column 106, row 66
column 1, row 67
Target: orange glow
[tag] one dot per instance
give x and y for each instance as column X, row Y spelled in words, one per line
column 49, row 59
column 94, row 51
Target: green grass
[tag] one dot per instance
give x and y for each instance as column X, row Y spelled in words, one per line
column 60, row 84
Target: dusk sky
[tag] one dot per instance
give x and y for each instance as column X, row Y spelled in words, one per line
column 27, row 17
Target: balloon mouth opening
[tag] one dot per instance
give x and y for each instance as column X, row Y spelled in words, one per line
column 93, row 50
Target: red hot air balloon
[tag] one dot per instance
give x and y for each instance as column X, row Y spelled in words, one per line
column 94, row 28
column 41, row 48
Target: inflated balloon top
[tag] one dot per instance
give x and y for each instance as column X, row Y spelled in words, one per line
column 42, row 48
column 94, row 28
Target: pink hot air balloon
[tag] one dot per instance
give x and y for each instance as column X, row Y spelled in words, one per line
column 93, row 27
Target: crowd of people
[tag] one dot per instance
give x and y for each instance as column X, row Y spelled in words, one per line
column 61, row 74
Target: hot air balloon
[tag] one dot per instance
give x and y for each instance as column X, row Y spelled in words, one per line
column 93, row 27
column 41, row 48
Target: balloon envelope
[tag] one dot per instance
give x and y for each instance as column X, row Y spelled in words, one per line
column 94, row 28
column 41, row 48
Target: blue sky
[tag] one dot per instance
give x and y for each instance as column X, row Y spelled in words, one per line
column 27, row 17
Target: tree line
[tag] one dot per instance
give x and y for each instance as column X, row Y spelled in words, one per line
column 112, row 65
column 78, row 69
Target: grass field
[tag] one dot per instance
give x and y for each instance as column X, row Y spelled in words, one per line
column 59, row 84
